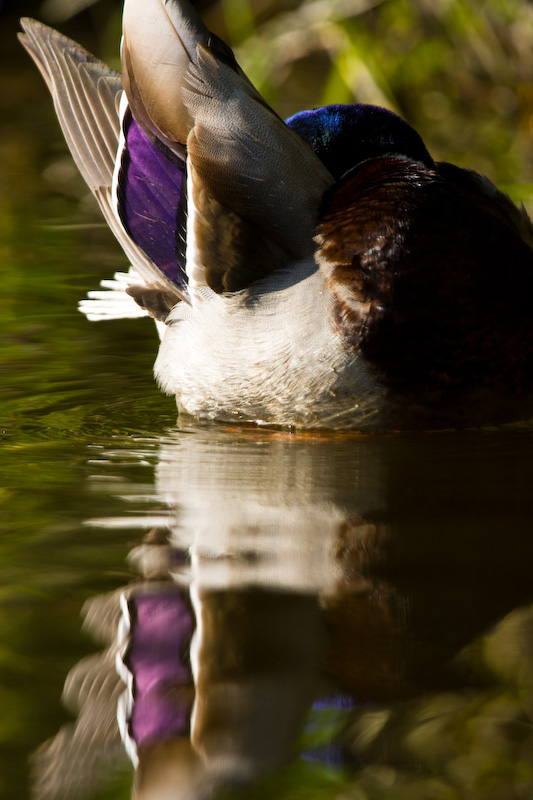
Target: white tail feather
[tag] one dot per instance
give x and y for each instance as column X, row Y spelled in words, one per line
column 113, row 300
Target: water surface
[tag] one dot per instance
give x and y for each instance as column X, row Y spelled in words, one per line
column 311, row 614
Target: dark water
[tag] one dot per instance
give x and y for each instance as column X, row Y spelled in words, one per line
column 305, row 615
column 264, row 614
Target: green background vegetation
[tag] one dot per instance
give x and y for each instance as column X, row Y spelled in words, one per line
column 460, row 71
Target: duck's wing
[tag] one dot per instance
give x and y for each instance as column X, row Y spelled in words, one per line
column 253, row 185
column 86, row 95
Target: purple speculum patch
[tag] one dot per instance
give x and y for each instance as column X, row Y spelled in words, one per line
column 151, row 199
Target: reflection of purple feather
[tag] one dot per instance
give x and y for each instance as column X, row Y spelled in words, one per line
column 151, row 202
column 333, row 751
column 157, row 658
column 337, row 701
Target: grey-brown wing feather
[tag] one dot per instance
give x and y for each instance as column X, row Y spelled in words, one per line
column 86, row 94
column 251, row 162
column 252, row 180
column 84, row 91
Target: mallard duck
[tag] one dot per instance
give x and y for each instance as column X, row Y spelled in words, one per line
column 319, row 272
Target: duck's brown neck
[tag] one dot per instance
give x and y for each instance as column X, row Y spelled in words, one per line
column 433, row 285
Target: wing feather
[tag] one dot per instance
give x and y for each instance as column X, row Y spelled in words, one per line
column 86, row 95
column 254, row 186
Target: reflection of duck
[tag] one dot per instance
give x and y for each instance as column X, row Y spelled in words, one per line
column 321, row 272
column 254, row 661
column 299, row 569
column 400, row 538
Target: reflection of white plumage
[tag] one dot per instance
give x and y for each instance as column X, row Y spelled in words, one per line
column 305, row 567
column 259, row 523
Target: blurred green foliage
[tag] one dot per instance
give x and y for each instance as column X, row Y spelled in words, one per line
column 469, row 745
column 460, row 71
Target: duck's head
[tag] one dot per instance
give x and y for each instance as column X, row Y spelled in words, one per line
column 343, row 136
